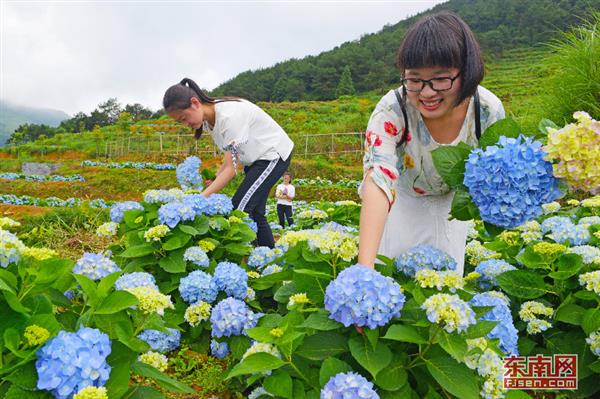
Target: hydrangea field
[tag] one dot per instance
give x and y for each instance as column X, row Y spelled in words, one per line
column 183, row 305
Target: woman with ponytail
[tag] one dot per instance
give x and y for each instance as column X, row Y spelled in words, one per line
column 246, row 135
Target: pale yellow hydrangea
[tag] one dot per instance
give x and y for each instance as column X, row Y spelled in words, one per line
column 91, row 393
column 530, row 310
column 549, row 249
column 6, row 223
column 591, row 281
column 576, row 150
column 550, row 207
column 312, row 214
column 151, row 300
column 493, row 389
column 477, row 253
column 472, row 276
column 39, row 253
column 235, row 219
column 346, row 203
column 472, row 359
column 35, row 335
column 156, row 233
column 299, row 298
column 253, row 274
column 197, row 313
column 428, row 278
column 250, row 295
column 206, row 245
column 531, row 231
column 573, row 202
column 108, row 229
column 276, row 332
column 511, row 238
column 258, row 347
column 155, row 359
column 593, row 202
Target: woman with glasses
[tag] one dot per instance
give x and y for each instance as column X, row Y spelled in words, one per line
column 404, row 200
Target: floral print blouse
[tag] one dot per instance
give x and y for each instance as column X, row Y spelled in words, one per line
column 410, row 166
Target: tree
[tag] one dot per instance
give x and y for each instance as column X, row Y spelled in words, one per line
column 138, row 112
column 345, row 87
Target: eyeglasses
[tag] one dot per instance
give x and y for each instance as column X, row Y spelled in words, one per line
column 436, row 84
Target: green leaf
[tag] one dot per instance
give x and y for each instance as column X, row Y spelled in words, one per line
column 393, row 377
column 176, row 242
column 373, row 360
column 322, row 345
column 279, row 384
column 330, row 367
column 314, row 273
column 107, row 283
column 586, row 295
column 449, row 161
column 24, row 377
column 320, row 321
column 238, row 345
column 8, row 278
column 14, row 303
column 238, row 249
column 255, row 363
column 137, row 251
column 531, row 259
column 570, row 313
column 117, row 301
column 120, row 359
column 454, row 377
column 160, row 378
column 405, row 333
column 5, row 287
column 140, row 392
column 453, row 344
column 591, row 320
column 545, row 124
column 89, row 288
column 261, row 334
column 504, row 127
column 173, row 262
column 481, row 329
column 522, row 284
column 568, row 266
column 283, row 294
column 463, row 207
column 188, row 230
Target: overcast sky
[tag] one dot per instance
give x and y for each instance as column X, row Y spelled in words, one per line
column 73, row 55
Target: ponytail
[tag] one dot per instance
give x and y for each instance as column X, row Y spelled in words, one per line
column 179, row 97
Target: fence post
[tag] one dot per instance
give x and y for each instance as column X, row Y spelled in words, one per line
column 161, row 143
column 332, row 145
column 305, row 145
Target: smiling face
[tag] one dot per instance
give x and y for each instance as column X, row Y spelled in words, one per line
column 287, row 179
column 430, row 103
column 193, row 116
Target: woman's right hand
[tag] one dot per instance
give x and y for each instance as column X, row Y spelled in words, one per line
column 373, row 216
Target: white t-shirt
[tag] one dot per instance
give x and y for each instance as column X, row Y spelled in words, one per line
column 242, row 127
column 286, row 189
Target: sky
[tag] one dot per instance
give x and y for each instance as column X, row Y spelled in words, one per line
column 73, row 55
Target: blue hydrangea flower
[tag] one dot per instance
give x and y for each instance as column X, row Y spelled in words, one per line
column 505, row 329
column 232, row 317
column 348, row 385
column 232, row 279
column 261, row 256
column 198, row 203
column 491, row 268
column 574, row 234
column 70, row 362
column 219, row 204
column 424, row 256
column 117, row 211
column 174, row 212
column 10, row 248
column 587, row 221
column 510, row 181
column 160, row 341
column 188, row 174
column 340, row 228
column 588, row 253
column 135, row 279
column 553, row 222
column 364, row 297
column 197, row 256
column 198, row 286
column 219, row 349
column 95, row 266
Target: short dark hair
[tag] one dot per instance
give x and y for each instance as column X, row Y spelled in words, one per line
column 286, row 173
column 443, row 39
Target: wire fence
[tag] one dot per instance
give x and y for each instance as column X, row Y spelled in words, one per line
column 306, row 146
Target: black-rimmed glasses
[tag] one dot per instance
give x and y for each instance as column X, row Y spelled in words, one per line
column 436, row 84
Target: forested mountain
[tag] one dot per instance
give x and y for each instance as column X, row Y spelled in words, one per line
column 12, row 115
column 499, row 25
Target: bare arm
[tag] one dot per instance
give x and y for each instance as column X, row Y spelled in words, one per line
column 373, row 216
column 226, row 173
